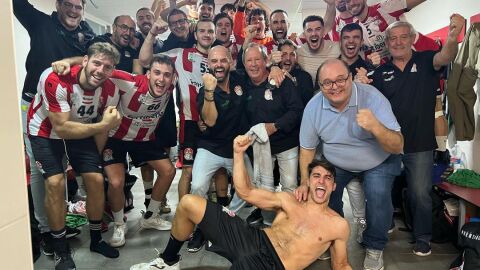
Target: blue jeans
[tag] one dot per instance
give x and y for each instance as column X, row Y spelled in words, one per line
column 418, row 171
column 288, row 166
column 377, row 185
column 204, row 167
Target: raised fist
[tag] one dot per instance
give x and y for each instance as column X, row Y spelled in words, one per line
column 111, row 117
column 209, row 81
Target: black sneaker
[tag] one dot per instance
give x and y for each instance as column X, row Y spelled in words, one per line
column 255, row 217
column 71, row 232
column 196, row 243
column 64, row 261
column 46, row 244
column 422, row 248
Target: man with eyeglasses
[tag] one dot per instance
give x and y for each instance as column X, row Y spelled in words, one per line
column 52, row 37
column 360, row 136
column 123, row 31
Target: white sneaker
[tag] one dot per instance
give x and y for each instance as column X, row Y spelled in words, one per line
column 155, row 222
column 118, row 236
column 373, row 259
column 156, row 264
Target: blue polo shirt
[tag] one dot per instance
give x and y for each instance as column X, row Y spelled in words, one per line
column 345, row 144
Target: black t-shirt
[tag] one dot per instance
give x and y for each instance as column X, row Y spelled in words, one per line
column 49, row 42
column 303, row 83
column 173, row 42
column 157, row 46
column 282, row 106
column 412, row 95
column 360, row 63
column 127, row 54
column 231, row 119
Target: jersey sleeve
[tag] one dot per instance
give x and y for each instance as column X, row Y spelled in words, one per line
column 55, row 94
column 125, row 81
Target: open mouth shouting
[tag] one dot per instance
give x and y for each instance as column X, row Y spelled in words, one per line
column 320, row 192
column 314, row 42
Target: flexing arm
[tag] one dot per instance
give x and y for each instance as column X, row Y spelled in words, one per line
column 146, row 52
column 338, row 249
column 450, row 49
column 391, row 141
column 261, row 198
column 70, row 130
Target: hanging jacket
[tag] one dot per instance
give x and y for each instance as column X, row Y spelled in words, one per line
column 460, row 93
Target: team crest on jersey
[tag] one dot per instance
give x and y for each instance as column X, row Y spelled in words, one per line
column 142, row 98
column 238, row 90
column 190, row 57
column 107, row 155
column 188, row 154
column 228, row 211
column 39, row 167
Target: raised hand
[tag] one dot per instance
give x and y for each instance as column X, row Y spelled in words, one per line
column 111, row 117
column 209, row 81
column 367, row 120
column 241, row 143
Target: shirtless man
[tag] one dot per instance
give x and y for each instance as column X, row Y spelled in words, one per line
column 300, row 233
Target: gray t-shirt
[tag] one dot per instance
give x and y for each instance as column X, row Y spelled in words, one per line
column 345, row 143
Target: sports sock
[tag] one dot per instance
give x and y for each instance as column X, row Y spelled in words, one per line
column 152, row 208
column 118, row 217
column 170, row 254
column 96, row 242
column 59, row 240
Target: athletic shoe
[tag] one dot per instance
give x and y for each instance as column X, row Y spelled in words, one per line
column 46, row 244
column 64, row 261
column 118, row 236
column 422, row 249
column 156, row 264
column 255, row 217
column 71, row 232
column 392, row 227
column 325, row 256
column 196, row 242
column 373, row 260
column 164, row 207
column 361, row 225
column 155, row 222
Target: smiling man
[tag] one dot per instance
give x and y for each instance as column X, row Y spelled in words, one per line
column 359, row 134
column 312, row 54
column 296, row 226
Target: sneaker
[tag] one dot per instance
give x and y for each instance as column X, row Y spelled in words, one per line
column 422, row 249
column 361, row 226
column 155, row 222
column 255, row 217
column 118, row 236
column 156, row 264
column 373, row 260
column 64, row 261
column 46, row 244
column 392, row 227
column 71, row 232
column 164, row 207
column 196, row 242
column 325, row 256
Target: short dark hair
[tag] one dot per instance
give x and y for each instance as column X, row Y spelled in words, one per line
column 286, row 42
column 142, row 9
column 162, row 59
column 84, row 2
column 206, row 2
column 258, row 12
column 278, row 11
column 351, row 27
column 220, row 16
column 228, row 6
column 202, row 20
column 173, row 12
column 324, row 164
column 313, row 18
column 105, row 49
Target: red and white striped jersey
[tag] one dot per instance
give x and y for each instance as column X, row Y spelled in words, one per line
column 379, row 17
column 63, row 94
column 190, row 65
column 141, row 112
column 334, row 34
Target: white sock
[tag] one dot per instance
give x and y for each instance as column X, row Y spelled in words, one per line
column 118, row 217
column 153, row 206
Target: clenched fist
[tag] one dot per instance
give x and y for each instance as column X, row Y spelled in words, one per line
column 111, row 118
column 457, row 22
column 209, row 81
column 367, row 120
column 159, row 27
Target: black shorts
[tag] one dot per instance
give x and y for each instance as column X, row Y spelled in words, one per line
column 166, row 131
column 188, row 134
column 81, row 154
column 245, row 246
column 116, row 151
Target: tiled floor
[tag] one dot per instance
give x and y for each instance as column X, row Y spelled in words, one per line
column 140, row 247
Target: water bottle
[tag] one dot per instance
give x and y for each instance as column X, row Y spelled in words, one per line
column 457, row 158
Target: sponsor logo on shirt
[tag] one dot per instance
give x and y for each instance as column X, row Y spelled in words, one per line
column 107, row 155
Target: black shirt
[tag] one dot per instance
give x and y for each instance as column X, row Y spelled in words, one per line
column 127, row 54
column 360, row 63
column 303, row 83
column 173, row 42
column 49, row 42
column 157, row 45
column 282, row 106
column 412, row 95
column 231, row 119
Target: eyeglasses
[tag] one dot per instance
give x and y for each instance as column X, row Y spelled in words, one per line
column 69, row 5
column 125, row 28
column 327, row 84
column 178, row 22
